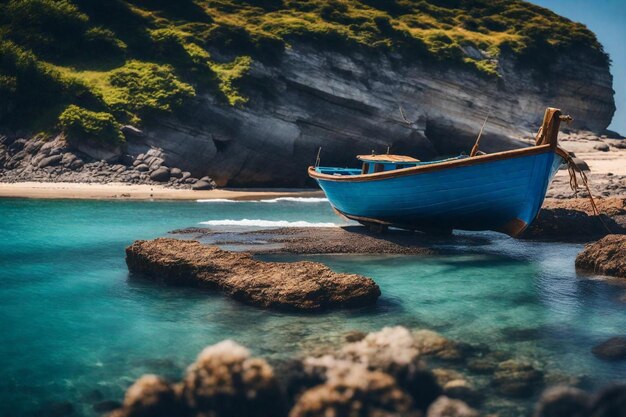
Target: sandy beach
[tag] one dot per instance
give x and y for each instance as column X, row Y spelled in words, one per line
column 62, row 190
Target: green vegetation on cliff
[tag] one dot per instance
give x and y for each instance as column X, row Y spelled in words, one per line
column 88, row 66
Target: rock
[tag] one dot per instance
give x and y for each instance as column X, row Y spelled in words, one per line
column 560, row 224
column 446, row 407
column 150, row 396
column 201, row 185
column 353, row 336
column 185, row 175
column 131, row 131
column 606, row 256
column 298, row 285
column 481, row 365
column 613, row 349
column 191, row 180
column 142, row 167
column 353, row 390
column 225, row 381
column 563, row 401
column 391, row 350
column 516, row 379
column 611, row 402
column 602, row 147
column 580, row 164
column 68, row 158
column 17, row 145
column 433, row 344
column 76, row 164
column 50, row 161
column 461, row 389
column 154, row 162
column 97, row 149
column 160, row 174
column 176, row 173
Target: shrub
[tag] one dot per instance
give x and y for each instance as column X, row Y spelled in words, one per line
column 79, row 124
column 146, row 88
column 228, row 74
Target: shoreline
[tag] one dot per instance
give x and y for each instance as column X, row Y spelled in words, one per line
column 122, row 191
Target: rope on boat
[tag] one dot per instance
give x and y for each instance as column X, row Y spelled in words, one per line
column 572, row 169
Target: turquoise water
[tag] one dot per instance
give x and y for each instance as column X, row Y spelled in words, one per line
column 75, row 328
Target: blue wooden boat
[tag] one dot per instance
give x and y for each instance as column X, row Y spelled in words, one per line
column 501, row 191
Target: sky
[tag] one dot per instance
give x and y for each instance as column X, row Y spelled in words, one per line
column 607, row 19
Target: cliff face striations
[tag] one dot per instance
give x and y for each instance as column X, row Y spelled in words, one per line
column 349, row 103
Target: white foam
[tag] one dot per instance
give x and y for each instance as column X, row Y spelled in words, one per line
column 271, row 200
column 266, row 223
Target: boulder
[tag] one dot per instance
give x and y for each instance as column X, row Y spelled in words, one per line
column 395, row 351
column 298, row 285
column 131, row 131
column 353, row 390
column 161, row 174
column 563, row 401
column 602, row 147
column 447, row 407
column 613, row 349
column 109, row 152
column 201, row 185
column 50, row 161
column 606, row 256
column 150, row 396
column 226, row 381
column 176, row 173
column 142, row 167
column 431, row 343
column 517, row 379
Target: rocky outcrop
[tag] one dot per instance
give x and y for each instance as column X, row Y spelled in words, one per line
column 573, row 220
column 53, row 159
column 298, row 285
column 349, row 103
column 606, row 256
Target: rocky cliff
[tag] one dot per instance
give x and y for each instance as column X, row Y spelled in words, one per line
column 246, row 91
column 350, row 103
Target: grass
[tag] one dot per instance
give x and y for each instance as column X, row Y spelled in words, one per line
column 124, row 61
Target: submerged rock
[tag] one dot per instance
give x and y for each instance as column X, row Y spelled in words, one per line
column 612, row 349
column 433, row 344
column 606, row 256
column 517, row 379
column 297, row 285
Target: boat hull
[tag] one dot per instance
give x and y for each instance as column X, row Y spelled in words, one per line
column 501, row 194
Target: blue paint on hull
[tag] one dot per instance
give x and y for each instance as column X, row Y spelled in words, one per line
column 484, row 196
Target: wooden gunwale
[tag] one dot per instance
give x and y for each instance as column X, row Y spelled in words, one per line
column 476, row 160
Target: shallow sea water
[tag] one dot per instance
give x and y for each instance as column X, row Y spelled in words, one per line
column 74, row 327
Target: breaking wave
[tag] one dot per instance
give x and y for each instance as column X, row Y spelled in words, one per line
column 266, row 223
